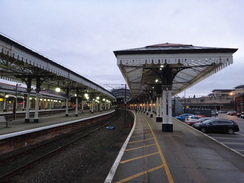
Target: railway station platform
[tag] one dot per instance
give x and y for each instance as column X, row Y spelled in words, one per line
column 44, row 120
column 182, row 156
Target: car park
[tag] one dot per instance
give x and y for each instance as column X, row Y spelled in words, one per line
column 217, row 125
column 182, row 117
column 193, row 119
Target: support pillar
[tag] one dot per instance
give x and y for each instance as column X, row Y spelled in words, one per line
column 67, row 107
column 28, row 90
column 159, row 110
column 67, row 101
column 92, row 107
column 167, row 125
column 27, row 113
column 4, row 104
column 164, row 123
column 170, row 123
column 101, row 106
column 36, row 117
column 147, row 108
column 82, row 105
column 38, row 89
column 23, row 105
column 76, row 106
column 151, row 110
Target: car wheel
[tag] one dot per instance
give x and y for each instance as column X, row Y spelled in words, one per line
column 203, row 130
column 230, row 131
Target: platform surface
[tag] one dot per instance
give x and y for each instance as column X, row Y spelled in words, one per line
column 182, row 156
column 44, row 120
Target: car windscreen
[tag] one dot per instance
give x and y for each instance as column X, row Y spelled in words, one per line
column 207, row 121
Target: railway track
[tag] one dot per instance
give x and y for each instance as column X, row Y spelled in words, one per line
column 15, row 164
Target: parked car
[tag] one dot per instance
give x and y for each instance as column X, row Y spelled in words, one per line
column 203, row 116
column 242, row 115
column 217, row 125
column 214, row 113
column 239, row 114
column 182, row 117
column 231, row 113
column 204, row 119
column 221, row 111
column 190, row 120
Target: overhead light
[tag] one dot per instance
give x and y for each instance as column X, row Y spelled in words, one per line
column 156, row 80
column 57, row 89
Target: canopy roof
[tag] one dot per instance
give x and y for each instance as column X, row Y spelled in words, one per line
column 22, row 65
column 173, row 66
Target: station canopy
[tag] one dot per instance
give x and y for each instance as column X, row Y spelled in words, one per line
column 20, row 64
column 175, row 66
column 121, row 93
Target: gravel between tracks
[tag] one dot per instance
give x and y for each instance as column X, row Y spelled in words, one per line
column 87, row 161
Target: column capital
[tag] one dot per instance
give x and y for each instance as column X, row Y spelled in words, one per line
column 166, row 87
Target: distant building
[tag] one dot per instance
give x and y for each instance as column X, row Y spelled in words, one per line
column 239, row 90
column 219, row 99
column 222, row 92
column 239, row 98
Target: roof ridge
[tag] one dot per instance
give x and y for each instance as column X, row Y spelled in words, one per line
column 169, row 45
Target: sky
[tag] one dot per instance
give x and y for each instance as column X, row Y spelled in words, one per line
column 82, row 34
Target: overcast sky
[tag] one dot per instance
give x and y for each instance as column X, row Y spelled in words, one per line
column 82, row 34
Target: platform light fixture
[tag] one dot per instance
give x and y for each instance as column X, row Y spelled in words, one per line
column 57, row 89
column 86, row 96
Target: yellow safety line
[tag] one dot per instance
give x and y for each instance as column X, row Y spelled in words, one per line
column 132, row 137
column 135, row 136
column 169, row 176
column 140, row 147
column 139, row 174
column 140, row 140
column 139, row 157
